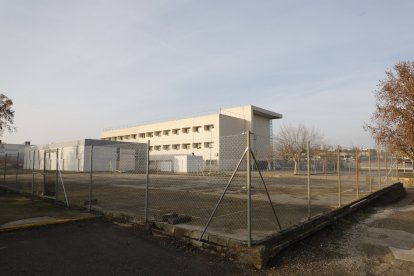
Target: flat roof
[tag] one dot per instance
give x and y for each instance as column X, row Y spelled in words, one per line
column 266, row 113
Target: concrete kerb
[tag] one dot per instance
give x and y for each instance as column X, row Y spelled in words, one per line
column 51, row 221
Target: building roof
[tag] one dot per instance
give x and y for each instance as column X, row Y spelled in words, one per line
column 266, row 113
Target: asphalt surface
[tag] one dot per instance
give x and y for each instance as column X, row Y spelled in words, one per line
column 100, row 248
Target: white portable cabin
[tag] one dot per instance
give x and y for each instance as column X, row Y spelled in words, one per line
column 177, row 163
column 76, row 156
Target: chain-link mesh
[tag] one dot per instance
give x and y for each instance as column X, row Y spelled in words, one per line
column 190, row 186
column 201, row 184
column 11, row 166
column 119, row 178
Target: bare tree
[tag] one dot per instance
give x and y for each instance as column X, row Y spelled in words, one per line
column 393, row 120
column 291, row 142
column 6, row 114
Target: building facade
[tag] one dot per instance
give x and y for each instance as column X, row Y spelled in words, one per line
column 215, row 137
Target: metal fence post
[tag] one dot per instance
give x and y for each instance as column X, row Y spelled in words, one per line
column 33, row 172
column 370, row 173
column 5, row 169
column 357, row 172
column 396, row 169
column 147, row 183
column 339, row 176
column 57, row 175
column 386, row 168
column 91, row 179
column 309, row 191
column 44, row 169
column 249, row 180
column 17, row 167
column 379, row 167
column 325, row 166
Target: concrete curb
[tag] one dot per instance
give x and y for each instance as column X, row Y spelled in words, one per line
column 42, row 224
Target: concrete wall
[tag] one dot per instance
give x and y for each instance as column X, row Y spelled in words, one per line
column 232, row 141
column 261, row 143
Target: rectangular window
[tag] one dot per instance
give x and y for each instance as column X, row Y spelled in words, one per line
column 185, row 130
column 151, row 148
column 126, row 137
column 157, row 133
column 166, row 147
column 176, row 131
column 120, row 138
column 141, row 135
column 196, row 145
column 208, row 145
column 208, row 127
column 157, row 148
column 166, row 132
column 150, row 134
column 134, row 136
column 196, row 128
column 176, row 146
column 186, row 146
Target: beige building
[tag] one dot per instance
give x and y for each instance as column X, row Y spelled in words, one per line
column 215, row 137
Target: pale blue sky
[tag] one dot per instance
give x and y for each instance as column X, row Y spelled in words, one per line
column 76, row 67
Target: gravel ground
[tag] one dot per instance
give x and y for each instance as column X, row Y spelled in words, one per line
column 373, row 241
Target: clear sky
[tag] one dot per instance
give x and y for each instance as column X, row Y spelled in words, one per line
column 73, row 68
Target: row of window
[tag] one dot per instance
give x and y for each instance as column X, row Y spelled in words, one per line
column 186, row 146
column 159, row 133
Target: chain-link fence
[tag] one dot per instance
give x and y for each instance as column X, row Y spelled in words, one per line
column 237, row 186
